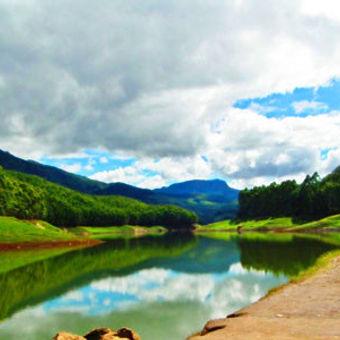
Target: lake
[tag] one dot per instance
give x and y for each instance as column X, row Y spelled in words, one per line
column 164, row 287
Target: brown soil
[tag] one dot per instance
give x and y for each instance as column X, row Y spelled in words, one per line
column 18, row 246
column 308, row 309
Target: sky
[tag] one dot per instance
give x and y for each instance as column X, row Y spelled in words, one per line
column 155, row 92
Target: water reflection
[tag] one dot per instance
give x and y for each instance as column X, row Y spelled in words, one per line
column 163, row 287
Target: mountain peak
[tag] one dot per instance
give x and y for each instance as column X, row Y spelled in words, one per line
column 197, row 186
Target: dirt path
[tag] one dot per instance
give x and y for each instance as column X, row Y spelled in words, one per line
column 308, row 309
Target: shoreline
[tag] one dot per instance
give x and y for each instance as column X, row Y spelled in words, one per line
column 18, row 246
column 308, row 307
column 271, row 230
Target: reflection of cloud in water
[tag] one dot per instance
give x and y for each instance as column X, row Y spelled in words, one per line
column 223, row 293
column 149, row 301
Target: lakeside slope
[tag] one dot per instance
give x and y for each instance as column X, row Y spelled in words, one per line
column 288, row 224
column 304, row 309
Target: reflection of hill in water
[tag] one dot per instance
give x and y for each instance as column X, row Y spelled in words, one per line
column 281, row 257
column 52, row 277
column 43, row 280
column 208, row 256
column 185, row 253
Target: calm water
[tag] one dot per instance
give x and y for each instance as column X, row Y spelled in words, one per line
column 163, row 287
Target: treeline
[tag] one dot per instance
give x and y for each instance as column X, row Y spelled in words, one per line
column 314, row 198
column 31, row 197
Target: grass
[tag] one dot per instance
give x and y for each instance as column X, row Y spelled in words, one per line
column 281, row 223
column 265, row 224
column 14, row 230
column 327, row 223
column 117, row 232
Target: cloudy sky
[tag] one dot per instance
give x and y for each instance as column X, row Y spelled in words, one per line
column 154, row 92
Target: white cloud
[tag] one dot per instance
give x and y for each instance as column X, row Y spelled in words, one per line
column 330, row 9
column 75, row 80
column 103, row 160
column 149, row 173
column 75, row 167
column 171, row 286
column 127, row 174
column 252, row 149
column 306, row 105
column 263, row 109
column 153, row 182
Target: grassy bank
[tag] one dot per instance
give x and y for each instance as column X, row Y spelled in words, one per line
column 14, row 230
column 117, row 232
column 331, row 223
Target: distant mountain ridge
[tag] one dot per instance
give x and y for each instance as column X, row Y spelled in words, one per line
column 210, row 187
column 212, row 200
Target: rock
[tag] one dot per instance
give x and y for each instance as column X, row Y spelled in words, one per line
column 128, row 333
column 68, row 336
column 101, row 334
column 213, row 325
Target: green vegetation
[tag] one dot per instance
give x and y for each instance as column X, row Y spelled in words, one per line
column 322, row 263
column 287, row 256
column 314, row 198
column 10, row 260
column 53, row 276
column 14, row 230
column 127, row 231
column 265, row 224
column 50, row 173
column 288, row 224
column 31, row 197
column 211, row 200
column 327, row 223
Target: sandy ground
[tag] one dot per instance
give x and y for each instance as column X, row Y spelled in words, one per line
column 308, row 309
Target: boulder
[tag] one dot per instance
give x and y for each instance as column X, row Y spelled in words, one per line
column 101, row 334
column 68, row 336
column 128, row 334
column 213, row 325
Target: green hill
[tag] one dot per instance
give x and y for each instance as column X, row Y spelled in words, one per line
column 211, row 200
column 313, row 198
column 31, row 197
column 50, row 173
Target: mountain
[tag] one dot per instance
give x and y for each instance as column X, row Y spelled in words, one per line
column 50, row 173
column 212, row 200
column 215, row 187
column 123, row 189
column 337, row 170
column 31, row 197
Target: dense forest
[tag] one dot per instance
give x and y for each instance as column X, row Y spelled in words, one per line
column 31, row 197
column 313, row 198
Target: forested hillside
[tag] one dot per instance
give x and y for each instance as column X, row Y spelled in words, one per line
column 211, row 200
column 314, row 198
column 52, row 174
column 31, row 197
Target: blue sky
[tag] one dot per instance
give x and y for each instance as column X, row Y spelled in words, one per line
column 160, row 92
column 302, row 103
